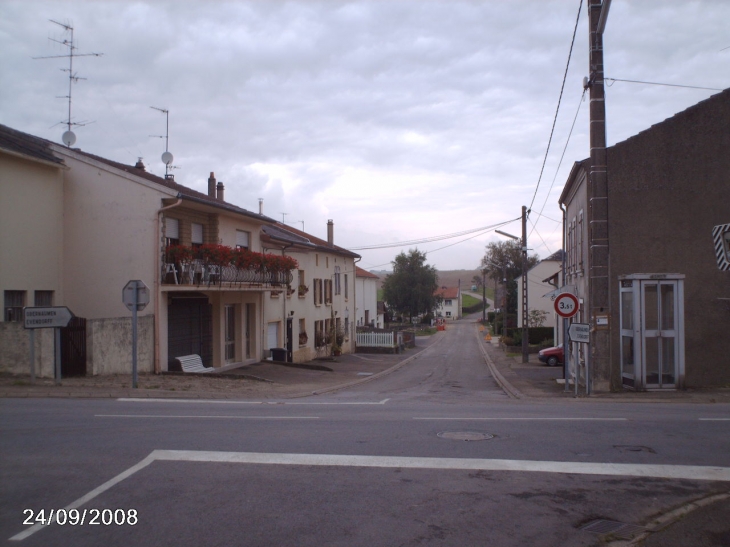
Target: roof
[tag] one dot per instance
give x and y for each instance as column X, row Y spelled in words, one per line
column 557, row 256
column 289, row 235
column 45, row 150
column 447, row 292
column 359, row 272
column 27, row 145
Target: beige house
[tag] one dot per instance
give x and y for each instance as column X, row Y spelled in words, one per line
column 97, row 224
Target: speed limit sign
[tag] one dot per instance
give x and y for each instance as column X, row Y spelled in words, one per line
column 566, row 305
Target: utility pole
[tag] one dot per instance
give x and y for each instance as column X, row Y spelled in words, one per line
column 598, row 365
column 484, row 295
column 525, row 330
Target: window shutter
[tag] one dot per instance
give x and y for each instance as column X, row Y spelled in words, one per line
column 172, row 228
column 242, row 239
column 197, row 233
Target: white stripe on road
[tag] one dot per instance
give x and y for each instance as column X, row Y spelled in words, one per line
column 557, row 419
column 228, row 402
column 214, row 417
column 714, row 419
column 690, row 472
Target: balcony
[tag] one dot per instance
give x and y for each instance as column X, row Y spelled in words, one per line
column 218, row 265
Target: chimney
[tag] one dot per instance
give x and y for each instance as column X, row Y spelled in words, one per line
column 330, row 233
column 261, row 206
column 211, row 185
column 139, row 164
column 219, row 191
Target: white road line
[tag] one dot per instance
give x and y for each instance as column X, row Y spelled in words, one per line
column 714, row 419
column 557, row 419
column 91, row 495
column 210, row 417
column 690, row 472
column 228, row 402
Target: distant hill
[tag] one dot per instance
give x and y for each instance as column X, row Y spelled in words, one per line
column 447, row 278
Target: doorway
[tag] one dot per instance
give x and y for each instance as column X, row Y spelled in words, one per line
column 652, row 331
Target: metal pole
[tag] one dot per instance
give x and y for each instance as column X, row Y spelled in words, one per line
column 32, row 356
column 525, row 332
column 134, row 337
column 566, row 356
column 57, row 355
column 484, row 295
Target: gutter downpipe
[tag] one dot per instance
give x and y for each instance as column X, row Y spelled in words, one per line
column 283, row 303
column 158, row 269
column 353, row 327
column 566, row 350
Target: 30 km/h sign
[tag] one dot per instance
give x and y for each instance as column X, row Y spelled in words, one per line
column 566, row 305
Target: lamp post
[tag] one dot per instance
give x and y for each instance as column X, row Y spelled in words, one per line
column 525, row 330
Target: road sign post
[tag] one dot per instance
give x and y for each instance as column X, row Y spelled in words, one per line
column 50, row 317
column 136, row 296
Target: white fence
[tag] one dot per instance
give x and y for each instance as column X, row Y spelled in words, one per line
column 375, row 340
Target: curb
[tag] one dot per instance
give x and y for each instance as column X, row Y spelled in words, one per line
column 511, row 391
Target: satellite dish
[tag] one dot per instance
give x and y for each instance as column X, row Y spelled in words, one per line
column 68, row 138
column 166, row 158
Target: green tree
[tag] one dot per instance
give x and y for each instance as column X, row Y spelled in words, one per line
column 505, row 258
column 410, row 289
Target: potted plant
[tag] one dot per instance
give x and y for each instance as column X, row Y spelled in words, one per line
column 303, row 338
column 303, row 289
column 336, row 349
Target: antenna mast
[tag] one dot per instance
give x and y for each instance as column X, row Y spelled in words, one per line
column 68, row 137
column 166, row 155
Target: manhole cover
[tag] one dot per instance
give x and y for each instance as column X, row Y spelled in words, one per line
column 465, row 435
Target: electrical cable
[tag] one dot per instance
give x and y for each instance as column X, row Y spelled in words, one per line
column 555, row 119
column 659, row 83
column 565, row 148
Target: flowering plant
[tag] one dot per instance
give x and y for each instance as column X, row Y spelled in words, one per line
column 220, row 255
column 178, row 253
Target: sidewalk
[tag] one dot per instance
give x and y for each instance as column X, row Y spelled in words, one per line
column 537, row 380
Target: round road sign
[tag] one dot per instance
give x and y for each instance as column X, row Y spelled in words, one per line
column 566, row 305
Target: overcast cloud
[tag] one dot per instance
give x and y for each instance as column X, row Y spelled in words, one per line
column 399, row 120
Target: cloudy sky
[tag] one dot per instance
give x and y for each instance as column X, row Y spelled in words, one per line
column 399, row 120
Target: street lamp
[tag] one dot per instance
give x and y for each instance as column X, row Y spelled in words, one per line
column 525, row 331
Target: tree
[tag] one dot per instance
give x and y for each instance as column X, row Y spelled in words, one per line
column 504, row 258
column 411, row 288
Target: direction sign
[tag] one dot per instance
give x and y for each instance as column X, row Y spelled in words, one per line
column 566, row 305
column 47, row 318
column 142, row 297
column 580, row 332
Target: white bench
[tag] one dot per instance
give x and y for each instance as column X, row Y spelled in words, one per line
column 193, row 363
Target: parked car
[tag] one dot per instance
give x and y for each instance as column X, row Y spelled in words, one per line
column 552, row 356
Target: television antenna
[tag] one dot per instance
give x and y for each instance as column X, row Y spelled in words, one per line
column 167, row 157
column 68, row 137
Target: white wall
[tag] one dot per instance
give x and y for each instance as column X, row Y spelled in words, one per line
column 367, row 299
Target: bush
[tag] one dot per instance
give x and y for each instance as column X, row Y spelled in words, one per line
column 507, row 341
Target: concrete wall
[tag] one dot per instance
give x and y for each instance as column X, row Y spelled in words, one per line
column 31, row 228
column 668, row 186
column 109, row 345
column 15, row 353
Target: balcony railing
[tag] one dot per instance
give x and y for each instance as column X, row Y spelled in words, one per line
column 197, row 273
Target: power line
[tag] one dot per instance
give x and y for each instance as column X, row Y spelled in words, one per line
column 659, row 83
column 565, row 148
column 555, row 119
column 433, row 238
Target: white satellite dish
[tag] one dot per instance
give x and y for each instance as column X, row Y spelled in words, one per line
column 68, row 138
column 167, row 158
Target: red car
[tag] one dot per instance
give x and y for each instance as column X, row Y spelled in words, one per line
column 552, row 356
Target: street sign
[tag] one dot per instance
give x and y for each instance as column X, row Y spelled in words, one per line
column 142, row 297
column 566, row 305
column 47, row 318
column 580, row 332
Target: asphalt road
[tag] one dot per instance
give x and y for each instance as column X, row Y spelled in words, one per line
column 432, row 454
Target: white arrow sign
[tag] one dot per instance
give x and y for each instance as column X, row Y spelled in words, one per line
column 580, row 332
column 47, row 318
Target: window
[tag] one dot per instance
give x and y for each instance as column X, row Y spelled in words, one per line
column 338, row 286
column 580, row 242
column 196, row 234
column 172, row 232
column 327, row 262
column 328, row 291
column 43, row 298
column 317, row 291
column 303, row 338
column 316, row 259
column 447, row 303
column 230, row 331
column 14, row 303
column 448, row 314
column 242, row 239
column 319, row 339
